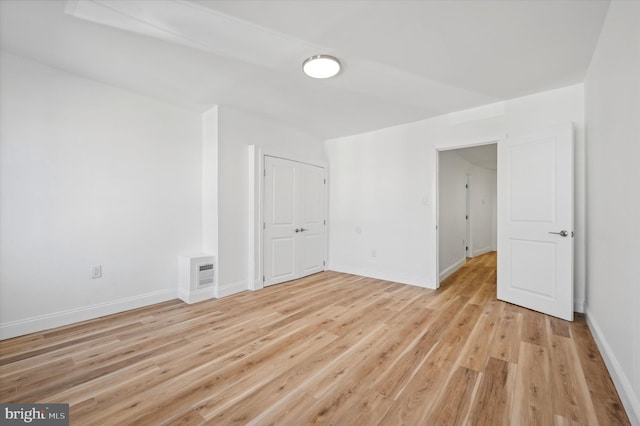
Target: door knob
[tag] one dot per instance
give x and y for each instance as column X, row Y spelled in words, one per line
column 303, row 229
column 562, row 233
column 297, row 230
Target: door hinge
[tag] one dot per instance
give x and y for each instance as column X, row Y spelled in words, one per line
column 263, row 280
column 467, row 186
column 466, row 248
column 325, row 181
column 264, row 225
column 466, row 217
column 325, row 222
column 265, row 172
column 324, row 263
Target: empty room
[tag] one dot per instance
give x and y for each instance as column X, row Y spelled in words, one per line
column 302, row 212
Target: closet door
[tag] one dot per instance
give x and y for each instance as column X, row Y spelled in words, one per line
column 310, row 219
column 294, row 216
column 279, row 217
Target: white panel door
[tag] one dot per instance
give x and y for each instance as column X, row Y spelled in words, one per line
column 311, row 219
column 535, row 242
column 279, row 216
column 294, row 216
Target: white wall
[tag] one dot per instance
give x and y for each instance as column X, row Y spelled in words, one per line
column 90, row 174
column 210, row 182
column 452, row 210
column 382, row 184
column 612, row 91
column 380, row 200
column 236, row 131
column 483, row 209
column 494, row 213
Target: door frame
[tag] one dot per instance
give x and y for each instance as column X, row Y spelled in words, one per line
column 450, row 147
column 469, row 231
column 256, row 154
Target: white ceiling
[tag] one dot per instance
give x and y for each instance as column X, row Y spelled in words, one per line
column 403, row 60
column 485, row 156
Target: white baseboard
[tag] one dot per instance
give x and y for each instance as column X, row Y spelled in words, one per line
column 70, row 316
column 197, row 295
column 381, row 275
column 257, row 285
column 578, row 306
column 225, row 290
column 481, row 251
column 451, row 269
column 630, row 400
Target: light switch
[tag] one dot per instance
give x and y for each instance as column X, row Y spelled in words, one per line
column 96, row 271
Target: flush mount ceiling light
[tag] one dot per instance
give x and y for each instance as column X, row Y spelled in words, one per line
column 321, row 66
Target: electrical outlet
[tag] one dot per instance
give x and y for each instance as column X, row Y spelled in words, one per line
column 96, row 271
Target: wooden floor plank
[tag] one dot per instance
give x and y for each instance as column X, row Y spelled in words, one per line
column 413, row 404
column 493, row 401
column 572, row 399
column 506, row 341
column 392, row 381
column 453, row 406
column 474, row 354
column 603, row 393
column 331, row 348
column 531, row 400
column 534, row 329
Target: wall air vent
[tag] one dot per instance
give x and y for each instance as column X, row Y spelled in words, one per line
column 196, row 277
column 205, row 274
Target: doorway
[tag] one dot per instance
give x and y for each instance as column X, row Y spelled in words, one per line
column 468, row 235
column 534, row 220
column 467, row 205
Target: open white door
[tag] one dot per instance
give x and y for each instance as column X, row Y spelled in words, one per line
column 535, row 231
column 294, row 216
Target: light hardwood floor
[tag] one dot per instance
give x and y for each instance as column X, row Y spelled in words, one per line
column 330, row 348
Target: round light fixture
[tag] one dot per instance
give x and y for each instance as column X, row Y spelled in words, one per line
column 321, row 66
